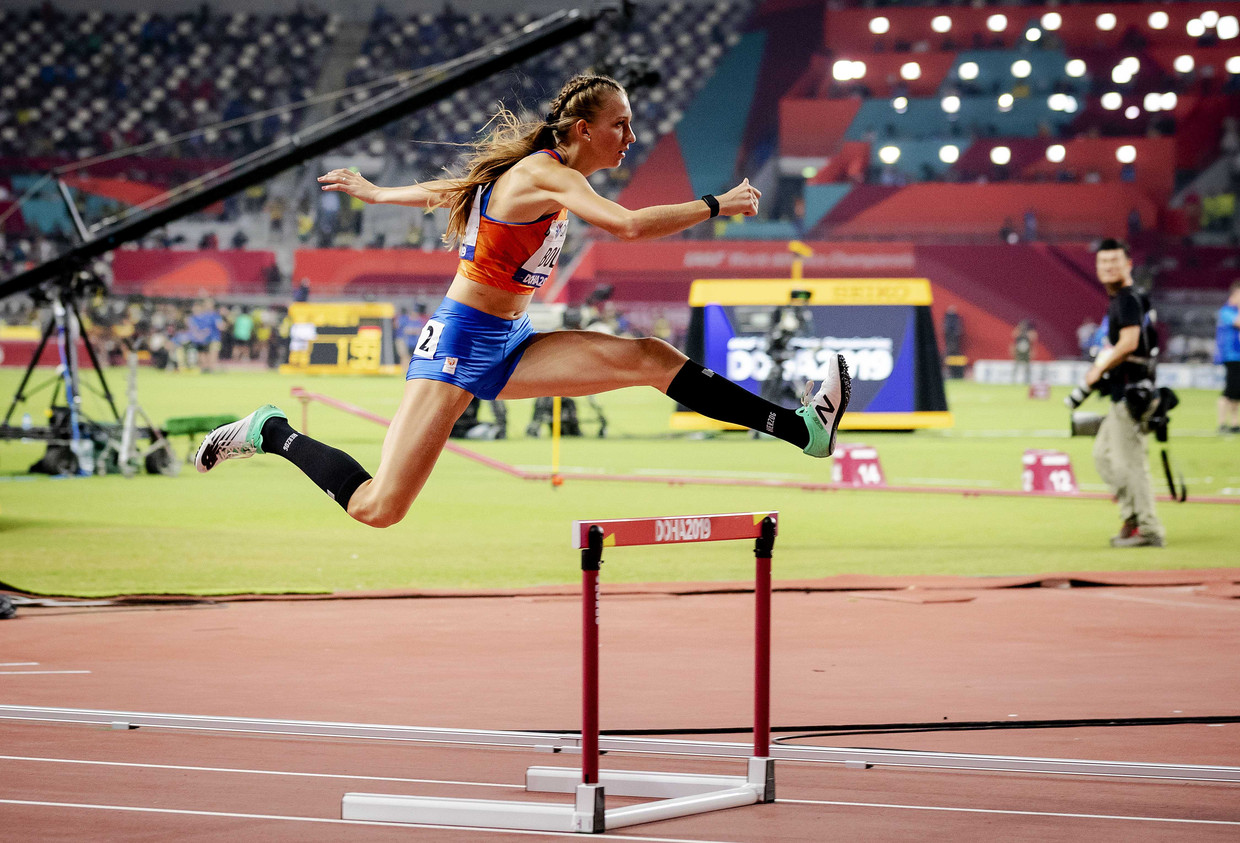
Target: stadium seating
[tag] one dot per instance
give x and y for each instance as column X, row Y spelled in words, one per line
column 1079, row 95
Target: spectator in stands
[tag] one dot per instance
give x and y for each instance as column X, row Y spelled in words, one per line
column 204, row 336
column 1227, row 342
column 302, row 293
column 243, row 335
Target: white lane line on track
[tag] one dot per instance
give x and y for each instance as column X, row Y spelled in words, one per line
column 1013, row 813
column 1225, row 605
column 330, row 821
column 250, row 772
column 19, row 664
column 38, row 672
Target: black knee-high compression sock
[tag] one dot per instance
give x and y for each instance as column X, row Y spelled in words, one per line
column 713, row 395
column 331, row 469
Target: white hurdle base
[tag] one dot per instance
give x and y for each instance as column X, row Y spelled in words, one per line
column 677, row 794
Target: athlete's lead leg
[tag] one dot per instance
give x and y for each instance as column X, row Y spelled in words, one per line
column 572, row 363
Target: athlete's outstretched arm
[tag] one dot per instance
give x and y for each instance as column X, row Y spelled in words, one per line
column 427, row 194
column 571, row 190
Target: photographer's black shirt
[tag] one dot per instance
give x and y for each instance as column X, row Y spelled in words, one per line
column 1128, row 308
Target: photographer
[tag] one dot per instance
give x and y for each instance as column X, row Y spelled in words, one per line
column 788, row 323
column 1120, row 446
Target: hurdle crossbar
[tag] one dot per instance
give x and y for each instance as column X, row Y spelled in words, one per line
column 677, row 794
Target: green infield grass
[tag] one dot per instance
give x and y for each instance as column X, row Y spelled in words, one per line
column 259, row 526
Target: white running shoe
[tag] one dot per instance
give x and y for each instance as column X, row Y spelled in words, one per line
column 822, row 411
column 238, row 440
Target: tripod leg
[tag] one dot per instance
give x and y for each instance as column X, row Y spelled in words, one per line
column 20, row 395
column 94, row 361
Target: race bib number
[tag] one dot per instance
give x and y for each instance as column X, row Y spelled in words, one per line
column 535, row 271
column 428, row 340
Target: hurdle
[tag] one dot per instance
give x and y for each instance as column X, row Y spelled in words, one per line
column 675, row 794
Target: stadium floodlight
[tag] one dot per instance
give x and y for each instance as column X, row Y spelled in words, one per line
column 1070, row 104
column 1075, row 68
column 1055, row 153
column 1001, row 156
column 889, row 154
column 1033, row 34
column 1233, row 65
column 900, row 104
column 1052, row 21
column 1159, row 20
column 1105, row 21
column 1168, row 101
column 950, row 103
column 1209, row 18
column 1021, row 68
column 1112, row 100
column 841, row 71
column 1132, row 63
column 1195, row 28
column 996, row 23
column 1228, row 28
column 941, row 24
column 1120, row 75
column 968, row 71
column 1006, row 101
column 880, row 25
column 1057, row 102
column 910, row 70
column 1184, row 64
column 1152, row 102
column 1132, row 112
column 858, row 70
column 949, row 153
column 1126, row 154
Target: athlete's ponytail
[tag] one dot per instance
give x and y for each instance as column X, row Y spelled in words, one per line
column 511, row 139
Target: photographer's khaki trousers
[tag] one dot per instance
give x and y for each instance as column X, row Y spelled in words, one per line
column 1120, row 455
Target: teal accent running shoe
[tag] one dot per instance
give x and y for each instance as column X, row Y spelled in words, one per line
column 238, row 440
column 822, row 411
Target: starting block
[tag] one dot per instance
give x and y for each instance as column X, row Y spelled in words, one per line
column 857, row 465
column 676, row 794
column 1047, row 471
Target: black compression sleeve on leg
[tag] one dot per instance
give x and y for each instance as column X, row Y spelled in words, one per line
column 713, row 395
column 331, row 469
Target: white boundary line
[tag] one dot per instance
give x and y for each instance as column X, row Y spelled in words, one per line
column 38, row 672
column 19, row 664
column 1014, row 813
column 251, row 772
column 330, row 821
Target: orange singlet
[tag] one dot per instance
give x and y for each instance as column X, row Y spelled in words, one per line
column 516, row 257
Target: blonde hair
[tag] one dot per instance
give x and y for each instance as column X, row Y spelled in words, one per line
column 512, row 139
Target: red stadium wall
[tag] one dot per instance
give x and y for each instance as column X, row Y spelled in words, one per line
column 189, row 274
column 814, row 127
column 335, row 272
column 1063, row 210
column 992, row 287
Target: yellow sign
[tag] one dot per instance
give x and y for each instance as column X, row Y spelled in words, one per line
column 341, row 338
column 823, row 291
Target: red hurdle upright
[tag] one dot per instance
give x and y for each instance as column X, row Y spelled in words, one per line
column 675, row 794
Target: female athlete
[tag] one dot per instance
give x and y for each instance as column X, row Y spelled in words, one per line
column 509, row 214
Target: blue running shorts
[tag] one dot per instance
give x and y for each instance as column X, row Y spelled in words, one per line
column 470, row 349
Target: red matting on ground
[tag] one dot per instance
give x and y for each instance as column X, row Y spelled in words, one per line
column 669, row 662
